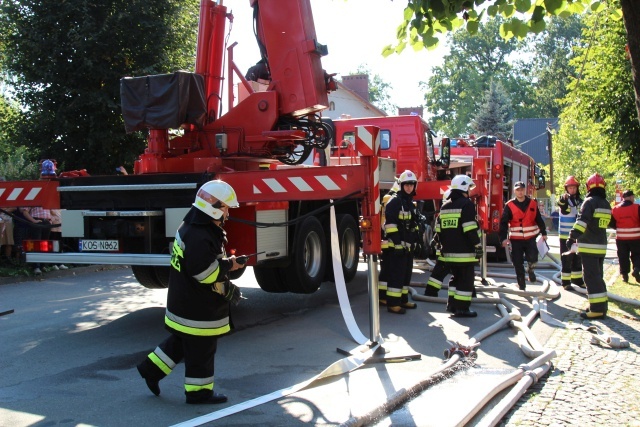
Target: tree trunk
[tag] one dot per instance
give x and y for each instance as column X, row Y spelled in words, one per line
column 631, row 15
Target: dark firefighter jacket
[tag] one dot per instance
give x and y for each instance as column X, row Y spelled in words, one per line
column 590, row 229
column 459, row 232
column 193, row 308
column 401, row 227
column 530, row 218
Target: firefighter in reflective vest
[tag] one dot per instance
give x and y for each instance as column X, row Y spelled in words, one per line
column 440, row 269
column 590, row 232
column 386, row 246
column 520, row 224
column 460, row 238
column 401, row 230
column 569, row 205
column 199, row 296
column 626, row 221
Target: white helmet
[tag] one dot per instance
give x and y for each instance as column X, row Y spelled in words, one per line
column 462, row 183
column 408, row 177
column 213, row 195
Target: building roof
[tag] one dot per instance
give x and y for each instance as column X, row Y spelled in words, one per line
column 530, row 136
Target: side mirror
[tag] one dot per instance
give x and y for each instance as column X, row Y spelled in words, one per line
column 445, row 152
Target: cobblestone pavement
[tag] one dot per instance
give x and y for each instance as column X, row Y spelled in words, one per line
column 588, row 384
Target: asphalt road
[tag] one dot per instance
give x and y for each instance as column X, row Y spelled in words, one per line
column 68, row 352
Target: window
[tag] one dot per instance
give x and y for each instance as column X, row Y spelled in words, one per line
column 385, row 139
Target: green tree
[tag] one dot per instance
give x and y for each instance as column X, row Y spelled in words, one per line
column 455, row 89
column 495, row 115
column 551, row 70
column 425, row 21
column 67, row 59
column 599, row 131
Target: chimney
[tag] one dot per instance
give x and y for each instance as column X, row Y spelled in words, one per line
column 358, row 83
column 411, row 111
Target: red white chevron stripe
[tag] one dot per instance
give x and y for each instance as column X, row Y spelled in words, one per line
column 301, row 184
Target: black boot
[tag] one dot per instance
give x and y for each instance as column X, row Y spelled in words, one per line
column 153, row 385
column 465, row 312
column 430, row 291
column 214, row 398
column 522, row 285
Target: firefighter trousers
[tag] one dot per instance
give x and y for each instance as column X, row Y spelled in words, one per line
column 436, row 279
column 399, row 278
column 198, row 354
column 592, row 272
column 522, row 250
column 628, row 249
column 461, row 286
column 571, row 266
column 383, row 276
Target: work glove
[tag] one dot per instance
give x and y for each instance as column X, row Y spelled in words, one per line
column 479, row 252
column 228, row 290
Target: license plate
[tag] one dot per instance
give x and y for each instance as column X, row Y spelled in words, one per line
column 99, row 245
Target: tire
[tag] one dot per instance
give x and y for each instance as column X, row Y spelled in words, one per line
column 147, row 277
column 162, row 274
column 349, row 241
column 308, row 258
column 270, row 279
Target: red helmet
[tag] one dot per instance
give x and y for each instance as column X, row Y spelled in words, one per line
column 571, row 180
column 595, row 180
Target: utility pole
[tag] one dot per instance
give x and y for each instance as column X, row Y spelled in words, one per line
column 549, row 148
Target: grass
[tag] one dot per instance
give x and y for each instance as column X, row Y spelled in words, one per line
column 20, row 269
column 627, row 290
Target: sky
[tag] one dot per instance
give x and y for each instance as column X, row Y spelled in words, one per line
column 355, row 32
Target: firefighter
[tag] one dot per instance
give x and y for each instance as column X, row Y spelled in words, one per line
column 401, row 230
column 520, row 224
column 460, row 238
column 590, row 233
column 386, row 246
column 626, row 221
column 199, row 296
column 569, row 205
column 440, row 269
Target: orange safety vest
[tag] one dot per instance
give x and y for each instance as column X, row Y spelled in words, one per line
column 627, row 222
column 523, row 225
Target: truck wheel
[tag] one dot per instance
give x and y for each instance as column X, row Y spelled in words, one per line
column 349, row 241
column 269, row 279
column 146, row 275
column 162, row 274
column 308, row 258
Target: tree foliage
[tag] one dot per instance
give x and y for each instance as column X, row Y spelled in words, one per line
column 425, row 22
column 495, row 115
column 454, row 91
column 599, row 131
column 67, row 59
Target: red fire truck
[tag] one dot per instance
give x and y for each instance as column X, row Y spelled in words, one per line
column 258, row 147
column 493, row 164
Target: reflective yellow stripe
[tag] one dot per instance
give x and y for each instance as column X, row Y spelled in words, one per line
column 203, row 329
column 159, row 363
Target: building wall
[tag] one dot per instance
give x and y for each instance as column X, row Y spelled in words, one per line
column 530, row 136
